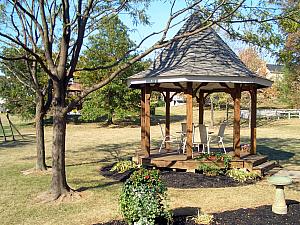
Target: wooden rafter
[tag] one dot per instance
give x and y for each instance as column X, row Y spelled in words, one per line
column 199, row 86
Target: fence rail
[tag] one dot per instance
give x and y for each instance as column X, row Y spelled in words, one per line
column 272, row 113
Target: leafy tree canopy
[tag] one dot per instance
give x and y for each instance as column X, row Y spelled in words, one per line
column 17, row 86
column 290, row 54
column 108, row 45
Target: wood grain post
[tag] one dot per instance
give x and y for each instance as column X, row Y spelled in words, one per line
column 167, row 131
column 237, row 121
column 253, row 93
column 189, row 120
column 147, row 119
column 143, row 148
column 201, row 107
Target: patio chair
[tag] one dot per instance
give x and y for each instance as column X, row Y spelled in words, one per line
column 200, row 137
column 166, row 138
column 182, row 145
column 183, row 138
column 220, row 136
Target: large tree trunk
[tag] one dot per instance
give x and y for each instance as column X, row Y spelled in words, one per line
column 40, row 137
column 59, row 184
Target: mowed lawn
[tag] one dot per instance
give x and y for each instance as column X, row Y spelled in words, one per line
column 89, row 147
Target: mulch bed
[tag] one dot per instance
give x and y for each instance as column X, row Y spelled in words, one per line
column 181, row 179
column 262, row 215
column 250, row 216
column 197, row 180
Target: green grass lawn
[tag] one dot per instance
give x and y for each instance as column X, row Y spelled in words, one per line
column 89, row 147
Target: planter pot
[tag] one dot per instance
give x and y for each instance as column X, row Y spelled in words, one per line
column 212, row 158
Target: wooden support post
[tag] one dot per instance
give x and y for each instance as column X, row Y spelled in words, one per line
column 237, row 120
column 253, row 93
column 167, row 131
column 143, row 148
column 201, row 107
column 189, row 120
column 147, row 119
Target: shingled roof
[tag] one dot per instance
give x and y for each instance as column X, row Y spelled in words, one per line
column 203, row 57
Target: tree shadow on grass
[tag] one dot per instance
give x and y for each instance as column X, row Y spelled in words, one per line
column 18, row 142
column 279, row 149
column 112, row 153
column 98, row 186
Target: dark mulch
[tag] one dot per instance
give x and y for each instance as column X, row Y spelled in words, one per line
column 250, row 216
column 181, row 179
column 262, row 215
column 197, row 180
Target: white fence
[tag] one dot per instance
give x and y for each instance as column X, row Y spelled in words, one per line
column 273, row 113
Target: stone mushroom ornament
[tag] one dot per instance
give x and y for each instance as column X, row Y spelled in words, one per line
column 279, row 206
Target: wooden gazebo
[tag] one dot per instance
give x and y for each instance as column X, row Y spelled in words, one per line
column 197, row 65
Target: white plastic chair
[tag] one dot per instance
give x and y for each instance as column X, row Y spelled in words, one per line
column 200, row 137
column 183, row 138
column 220, row 136
column 166, row 138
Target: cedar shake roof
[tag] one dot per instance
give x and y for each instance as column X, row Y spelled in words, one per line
column 203, row 57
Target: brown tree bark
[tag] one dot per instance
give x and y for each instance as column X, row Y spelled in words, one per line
column 40, row 136
column 59, row 184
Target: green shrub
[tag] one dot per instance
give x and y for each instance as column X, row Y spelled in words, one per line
column 210, row 169
column 242, row 175
column 143, row 198
column 123, row 166
column 218, row 157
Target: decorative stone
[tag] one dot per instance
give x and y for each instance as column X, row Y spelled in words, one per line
column 279, row 205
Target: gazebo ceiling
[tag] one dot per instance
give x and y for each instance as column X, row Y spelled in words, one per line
column 204, row 59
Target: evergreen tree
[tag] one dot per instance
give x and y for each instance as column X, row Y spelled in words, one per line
column 109, row 44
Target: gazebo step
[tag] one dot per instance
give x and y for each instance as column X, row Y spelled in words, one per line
column 256, row 160
column 264, row 167
column 273, row 171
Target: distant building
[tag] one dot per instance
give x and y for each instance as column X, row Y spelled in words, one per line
column 74, row 89
column 178, row 100
column 274, row 72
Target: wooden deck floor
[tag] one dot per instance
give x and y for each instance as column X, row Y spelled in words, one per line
column 175, row 161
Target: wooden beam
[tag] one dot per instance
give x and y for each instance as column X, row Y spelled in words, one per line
column 237, row 120
column 189, row 120
column 162, row 89
column 253, row 94
column 171, row 98
column 201, row 85
column 224, row 85
column 177, row 84
column 217, row 90
column 167, row 132
column 200, row 100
